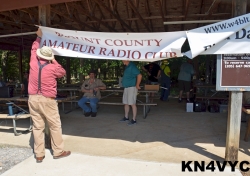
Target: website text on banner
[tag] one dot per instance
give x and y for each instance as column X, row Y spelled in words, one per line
column 225, row 37
column 116, row 46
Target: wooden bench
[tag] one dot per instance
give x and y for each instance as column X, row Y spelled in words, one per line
column 211, row 98
column 70, row 99
column 146, row 106
column 208, row 98
column 17, row 117
column 247, row 111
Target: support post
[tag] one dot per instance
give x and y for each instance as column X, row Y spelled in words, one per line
column 233, row 126
column 68, row 70
column 20, row 59
column 235, row 104
column 44, row 19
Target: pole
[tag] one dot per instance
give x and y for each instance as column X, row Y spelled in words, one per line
column 235, row 104
column 18, row 34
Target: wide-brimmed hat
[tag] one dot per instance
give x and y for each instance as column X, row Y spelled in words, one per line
column 45, row 53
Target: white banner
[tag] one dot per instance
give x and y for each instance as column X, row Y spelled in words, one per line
column 225, row 37
column 116, row 46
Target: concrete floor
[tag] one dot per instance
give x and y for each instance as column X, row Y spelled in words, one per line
column 169, row 134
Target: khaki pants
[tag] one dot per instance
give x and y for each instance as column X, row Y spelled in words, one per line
column 41, row 109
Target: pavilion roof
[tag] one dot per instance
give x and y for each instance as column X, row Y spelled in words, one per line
column 109, row 16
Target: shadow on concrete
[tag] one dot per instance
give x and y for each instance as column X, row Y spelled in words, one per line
column 166, row 123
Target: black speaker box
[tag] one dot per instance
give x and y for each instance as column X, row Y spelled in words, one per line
column 199, row 107
column 5, row 92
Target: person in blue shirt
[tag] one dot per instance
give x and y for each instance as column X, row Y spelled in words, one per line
column 184, row 79
column 2, row 83
column 131, row 82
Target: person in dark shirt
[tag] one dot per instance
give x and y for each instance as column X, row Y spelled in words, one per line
column 153, row 71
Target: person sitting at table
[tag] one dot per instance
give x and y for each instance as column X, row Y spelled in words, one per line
column 91, row 88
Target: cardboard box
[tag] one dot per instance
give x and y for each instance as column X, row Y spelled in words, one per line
column 151, row 87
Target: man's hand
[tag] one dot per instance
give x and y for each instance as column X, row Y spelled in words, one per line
column 138, row 87
column 39, row 32
column 96, row 89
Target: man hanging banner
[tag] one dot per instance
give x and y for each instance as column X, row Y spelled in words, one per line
column 116, row 46
column 225, row 37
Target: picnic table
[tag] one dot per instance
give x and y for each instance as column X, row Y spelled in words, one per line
column 111, row 91
column 146, row 104
column 73, row 91
column 208, row 92
column 22, row 114
column 25, row 114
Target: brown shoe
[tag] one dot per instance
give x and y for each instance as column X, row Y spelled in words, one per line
column 40, row 159
column 64, row 154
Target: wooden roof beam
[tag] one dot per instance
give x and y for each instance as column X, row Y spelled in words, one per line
column 157, row 17
column 89, row 6
column 97, row 19
column 32, row 14
column 149, row 14
column 113, row 6
column 114, row 15
column 70, row 15
column 128, row 16
column 162, row 5
column 83, row 11
column 17, row 19
column 138, row 14
column 74, row 19
column 201, row 11
column 17, row 4
column 185, row 10
column 91, row 12
column 212, row 7
column 102, row 17
column 137, row 6
column 29, row 11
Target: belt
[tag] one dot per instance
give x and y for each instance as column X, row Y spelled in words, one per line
column 53, row 98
